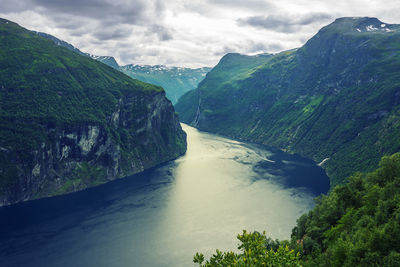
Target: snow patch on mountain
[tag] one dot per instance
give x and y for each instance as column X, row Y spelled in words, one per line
column 371, row 28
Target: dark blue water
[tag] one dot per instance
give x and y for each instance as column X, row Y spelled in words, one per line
column 199, row 202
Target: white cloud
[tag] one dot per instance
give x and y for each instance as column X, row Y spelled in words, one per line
column 190, row 33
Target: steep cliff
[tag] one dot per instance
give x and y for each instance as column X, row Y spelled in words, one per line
column 335, row 100
column 68, row 122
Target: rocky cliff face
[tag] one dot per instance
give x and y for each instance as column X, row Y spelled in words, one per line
column 76, row 157
column 68, row 122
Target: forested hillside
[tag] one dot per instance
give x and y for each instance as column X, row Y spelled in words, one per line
column 68, row 122
column 357, row 224
column 335, row 100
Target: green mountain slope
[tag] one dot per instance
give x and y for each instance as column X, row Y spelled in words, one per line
column 231, row 68
column 175, row 80
column 336, row 99
column 68, row 122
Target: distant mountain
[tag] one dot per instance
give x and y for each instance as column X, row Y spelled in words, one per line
column 335, row 100
column 175, row 80
column 68, row 122
column 108, row 60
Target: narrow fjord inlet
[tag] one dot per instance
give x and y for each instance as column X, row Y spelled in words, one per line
column 163, row 216
column 218, row 133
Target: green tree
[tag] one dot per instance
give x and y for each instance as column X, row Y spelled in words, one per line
column 256, row 250
column 357, row 224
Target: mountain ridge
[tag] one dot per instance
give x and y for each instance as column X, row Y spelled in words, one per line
column 328, row 100
column 69, row 122
column 175, row 80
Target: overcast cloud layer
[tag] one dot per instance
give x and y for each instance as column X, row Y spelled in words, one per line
column 191, row 33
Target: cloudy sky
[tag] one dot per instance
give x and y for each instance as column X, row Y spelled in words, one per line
column 191, row 33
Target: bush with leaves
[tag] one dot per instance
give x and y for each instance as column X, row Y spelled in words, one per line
column 256, row 250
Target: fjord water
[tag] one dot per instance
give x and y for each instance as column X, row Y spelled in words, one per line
column 161, row 217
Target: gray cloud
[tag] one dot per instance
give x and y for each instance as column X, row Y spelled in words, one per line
column 103, row 10
column 249, row 4
column 191, row 33
column 284, row 23
column 113, row 33
column 162, row 32
column 225, row 50
column 132, row 56
column 274, row 47
column 253, row 47
column 78, row 33
column 249, row 47
column 66, row 22
column 314, row 17
column 98, row 20
column 8, row 6
column 74, row 14
column 257, row 47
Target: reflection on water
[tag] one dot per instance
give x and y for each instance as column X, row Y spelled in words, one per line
column 199, row 202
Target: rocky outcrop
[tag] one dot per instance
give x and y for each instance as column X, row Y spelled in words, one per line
column 143, row 131
column 69, row 122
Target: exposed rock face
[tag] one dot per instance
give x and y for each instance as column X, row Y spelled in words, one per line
column 68, row 122
column 81, row 156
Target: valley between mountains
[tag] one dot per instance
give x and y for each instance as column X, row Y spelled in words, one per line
column 70, row 121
